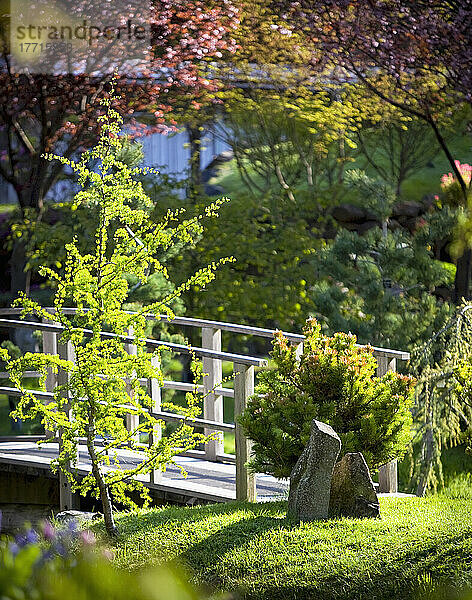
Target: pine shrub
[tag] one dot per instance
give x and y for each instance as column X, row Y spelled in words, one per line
column 334, row 381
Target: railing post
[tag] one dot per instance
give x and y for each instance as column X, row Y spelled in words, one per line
column 388, row 474
column 154, row 392
column 67, row 499
column 212, row 402
column 132, row 421
column 243, row 389
column 50, row 347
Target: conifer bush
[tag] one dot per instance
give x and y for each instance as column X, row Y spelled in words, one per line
column 334, row 381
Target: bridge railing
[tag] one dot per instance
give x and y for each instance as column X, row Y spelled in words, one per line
column 212, row 356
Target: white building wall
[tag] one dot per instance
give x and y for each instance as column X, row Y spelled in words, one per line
column 169, row 153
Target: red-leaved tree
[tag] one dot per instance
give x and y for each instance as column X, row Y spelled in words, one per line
column 42, row 113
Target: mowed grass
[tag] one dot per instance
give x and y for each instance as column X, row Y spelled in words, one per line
column 418, row 546
column 423, row 181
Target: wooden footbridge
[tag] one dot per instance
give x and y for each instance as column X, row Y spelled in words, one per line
column 212, row 474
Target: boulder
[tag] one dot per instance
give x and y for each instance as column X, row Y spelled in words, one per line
column 310, row 480
column 352, row 490
column 366, row 226
column 408, row 208
column 211, row 170
column 349, row 213
column 77, row 516
column 213, row 190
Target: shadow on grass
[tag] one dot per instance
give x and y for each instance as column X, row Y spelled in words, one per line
column 204, row 553
column 143, row 521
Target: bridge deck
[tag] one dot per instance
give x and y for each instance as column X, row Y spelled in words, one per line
column 205, row 480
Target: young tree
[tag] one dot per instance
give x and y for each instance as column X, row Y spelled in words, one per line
column 396, row 150
column 94, row 399
column 442, row 409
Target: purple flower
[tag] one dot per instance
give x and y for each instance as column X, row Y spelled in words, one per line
column 20, row 540
column 60, row 549
column 73, row 526
column 87, row 538
column 31, row 537
column 49, row 532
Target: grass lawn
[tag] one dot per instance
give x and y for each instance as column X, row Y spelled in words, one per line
column 423, row 181
column 419, row 546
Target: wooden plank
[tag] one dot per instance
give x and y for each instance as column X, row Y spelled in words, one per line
column 387, row 353
column 190, row 387
column 30, row 374
column 212, row 402
column 176, row 418
column 193, row 322
column 206, row 480
column 243, row 389
column 50, row 347
column 67, row 499
column 45, row 396
column 154, row 392
column 165, row 416
column 132, row 421
column 388, row 474
column 232, row 327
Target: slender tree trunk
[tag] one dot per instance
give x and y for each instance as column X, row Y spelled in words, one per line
column 103, row 489
column 195, row 172
column 463, row 264
column 19, row 276
column 31, row 198
column 462, row 279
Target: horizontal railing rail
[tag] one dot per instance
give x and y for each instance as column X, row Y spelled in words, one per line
column 180, row 348
column 165, row 416
column 167, row 384
column 230, row 327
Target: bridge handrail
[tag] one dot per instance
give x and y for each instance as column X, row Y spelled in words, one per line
column 160, row 414
column 180, row 348
column 212, row 355
column 230, row 327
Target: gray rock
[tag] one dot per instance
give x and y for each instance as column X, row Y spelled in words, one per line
column 76, row 515
column 349, row 213
column 213, row 190
column 310, row 480
column 352, row 490
column 212, row 169
column 408, row 208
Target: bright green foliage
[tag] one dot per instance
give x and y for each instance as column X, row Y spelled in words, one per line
column 443, row 400
column 334, row 382
column 291, row 141
column 102, row 385
column 273, row 246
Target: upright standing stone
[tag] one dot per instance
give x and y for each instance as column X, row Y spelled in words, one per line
column 310, row 480
column 352, row 491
